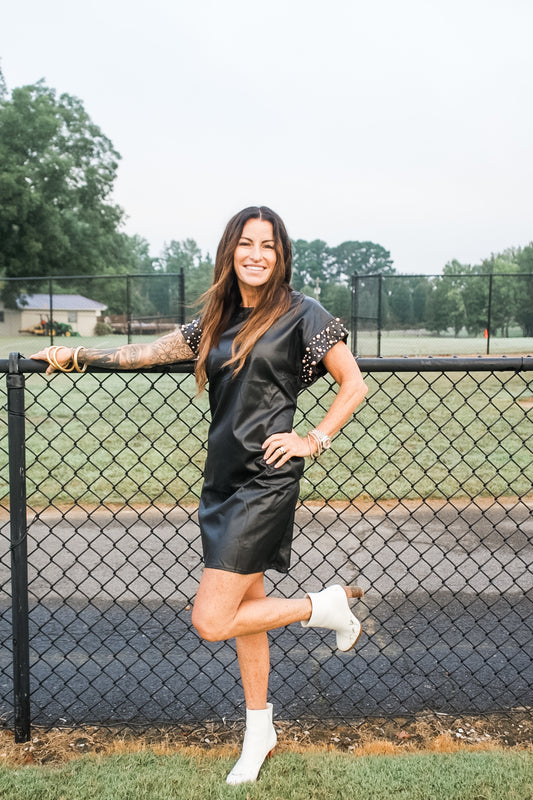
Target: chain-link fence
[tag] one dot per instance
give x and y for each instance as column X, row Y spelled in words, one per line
column 425, row 499
column 448, row 314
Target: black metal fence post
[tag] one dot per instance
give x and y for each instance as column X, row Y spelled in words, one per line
column 51, row 309
column 19, row 549
column 181, row 281
column 380, row 320
column 353, row 320
column 128, row 306
column 489, row 314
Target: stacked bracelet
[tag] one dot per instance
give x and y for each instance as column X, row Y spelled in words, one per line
column 322, row 441
column 72, row 366
column 75, row 361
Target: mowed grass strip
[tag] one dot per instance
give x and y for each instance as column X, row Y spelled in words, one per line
column 287, row 776
column 141, row 437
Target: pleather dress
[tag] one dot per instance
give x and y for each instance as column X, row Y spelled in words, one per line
column 247, row 507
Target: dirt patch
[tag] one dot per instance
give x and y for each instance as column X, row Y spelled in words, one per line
column 433, row 732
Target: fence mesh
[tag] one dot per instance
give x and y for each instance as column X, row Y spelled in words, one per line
column 424, row 499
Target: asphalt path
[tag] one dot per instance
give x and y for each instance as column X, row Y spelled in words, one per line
column 447, row 615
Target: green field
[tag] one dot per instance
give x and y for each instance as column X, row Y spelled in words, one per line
column 393, row 343
column 140, row 437
column 405, row 343
column 288, row 776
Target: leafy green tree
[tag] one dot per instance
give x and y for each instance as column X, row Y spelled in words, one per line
column 446, row 308
column 466, row 297
column 57, row 174
column 197, row 270
column 364, row 258
column 399, row 302
column 421, row 291
column 406, row 300
column 524, row 298
column 131, row 258
column 3, row 87
column 503, row 289
column 311, row 260
column 338, row 300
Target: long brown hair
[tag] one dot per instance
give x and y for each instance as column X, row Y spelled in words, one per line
column 223, row 298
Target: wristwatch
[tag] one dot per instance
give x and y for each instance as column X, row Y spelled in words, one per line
column 322, row 438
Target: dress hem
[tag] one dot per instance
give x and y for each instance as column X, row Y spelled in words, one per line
column 283, row 571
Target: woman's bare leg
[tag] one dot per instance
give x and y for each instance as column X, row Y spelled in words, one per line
column 222, row 610
column 254, row 656
column 231, row 605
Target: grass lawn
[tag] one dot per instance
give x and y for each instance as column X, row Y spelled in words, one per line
column 499, row 775
column 411, row 343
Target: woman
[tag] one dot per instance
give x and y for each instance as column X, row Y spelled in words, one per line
column 258, row 343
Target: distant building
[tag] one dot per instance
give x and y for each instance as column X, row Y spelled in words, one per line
column 79, row 312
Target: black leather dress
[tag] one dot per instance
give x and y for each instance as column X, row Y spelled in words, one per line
column 247, row 506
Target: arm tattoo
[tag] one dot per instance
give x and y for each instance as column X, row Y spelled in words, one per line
column 166, row 350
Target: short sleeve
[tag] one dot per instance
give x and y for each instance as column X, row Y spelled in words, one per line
column 321, row 332
column 192, row 333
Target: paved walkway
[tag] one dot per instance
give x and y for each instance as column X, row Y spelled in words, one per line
column 448, row 615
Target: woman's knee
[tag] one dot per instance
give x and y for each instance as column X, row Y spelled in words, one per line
column 208, row 625
column 218, row 599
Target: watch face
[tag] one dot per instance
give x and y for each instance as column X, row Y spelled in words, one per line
column 326, row 444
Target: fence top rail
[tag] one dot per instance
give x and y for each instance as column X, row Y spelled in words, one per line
column 92, row 277
column 363, row 275
column 382, row 364
column 447, row 364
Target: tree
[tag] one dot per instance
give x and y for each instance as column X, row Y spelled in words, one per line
column 310, row 260
column 338, row 300
column 421, row 288
column 364, row 258
column 3, row 87
column 446, row 308
column 503, row 290
column 197, row 270
column 57, row 174
column 524, row 299
column 400, row 302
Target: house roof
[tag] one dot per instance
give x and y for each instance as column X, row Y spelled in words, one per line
column 60, row 302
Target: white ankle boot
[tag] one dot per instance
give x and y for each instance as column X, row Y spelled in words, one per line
column 330, row 609
column 259, row 740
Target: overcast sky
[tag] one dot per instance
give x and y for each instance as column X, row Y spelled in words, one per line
column 404, row 122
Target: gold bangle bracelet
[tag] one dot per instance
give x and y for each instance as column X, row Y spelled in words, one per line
column 51, row 355
column 75, row 360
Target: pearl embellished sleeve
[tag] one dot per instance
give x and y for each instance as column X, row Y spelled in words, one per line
column 192, row 333
column 317, row 347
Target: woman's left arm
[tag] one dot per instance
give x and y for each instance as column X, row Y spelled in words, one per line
column 341, row 364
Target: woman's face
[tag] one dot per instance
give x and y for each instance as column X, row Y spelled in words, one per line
column 254, row 259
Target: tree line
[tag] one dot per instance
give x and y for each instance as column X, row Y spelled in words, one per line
column 497, row 292
column 57, row 218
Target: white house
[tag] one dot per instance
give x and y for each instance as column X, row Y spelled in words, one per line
column 79, row 312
